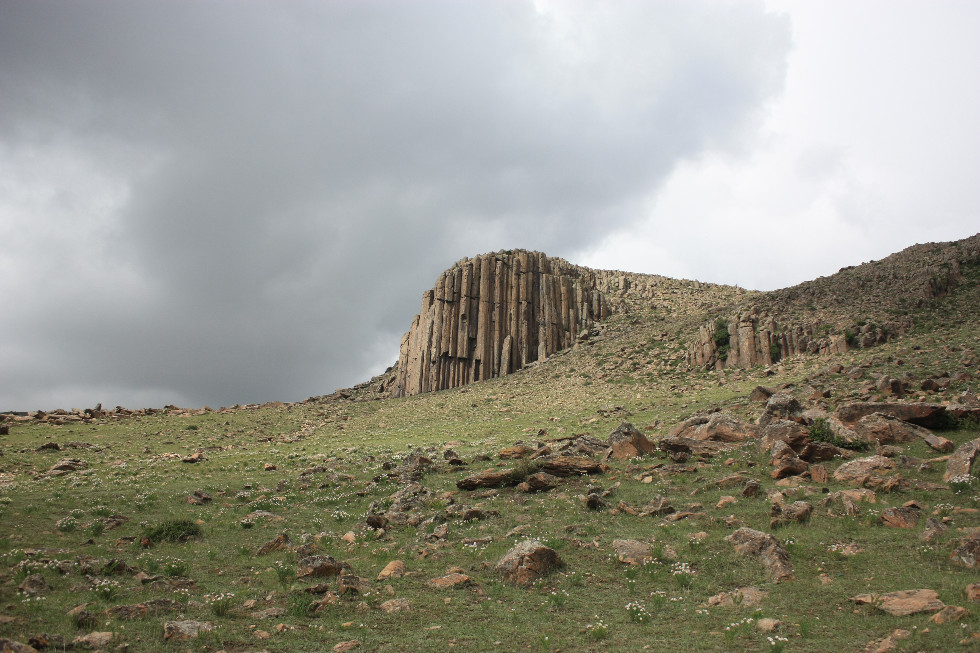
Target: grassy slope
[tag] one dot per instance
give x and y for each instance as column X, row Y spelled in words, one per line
column 135, row 471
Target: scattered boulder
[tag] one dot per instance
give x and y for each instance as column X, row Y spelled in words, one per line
column 901, row 517
column 184, row 630
column 968, row 552
column 747, row 597
column 860, row 470
column 761, row 393
column 319, row 567
column 923, row 414
column 903, row 603
column 66, row 466
column 797, row 512
column 278, row 543
column 571, row 466
column 451, row 581
column 781, row 407
column 395, row 605
column 15, row 647
column 34, row 585
column 961, row 461
column 627, row 442
column 527, row 562
column 767, row 548
column 394, row 569
column 793, row 434
column 97, row 640
column 885, row 429
column 716, row 427
column 538, row 482
column 631, row 552
column 491, row 478
column 950, row 614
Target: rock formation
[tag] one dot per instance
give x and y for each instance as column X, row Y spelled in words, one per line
column 493, row 315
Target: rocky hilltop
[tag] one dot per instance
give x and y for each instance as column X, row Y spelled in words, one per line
column 497, row 313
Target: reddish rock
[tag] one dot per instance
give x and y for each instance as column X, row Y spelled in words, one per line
column 903, row 603
column 949, row 614
column 818, row 474
column 859, row 470
column 394, row 569
column 627, row 442
column 973, row 592
column 716, row 427
column 631, row 552
column 900, row 517
column 923, row 414
column 451, row 581
column 527, row 562
column 767, row 548
column 517, row 451
column 961, row 461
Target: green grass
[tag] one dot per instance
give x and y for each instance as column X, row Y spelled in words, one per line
column 333, row 459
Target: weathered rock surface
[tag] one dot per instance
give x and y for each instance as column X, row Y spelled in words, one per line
column 923, row 414
column 716, row 427
column 184, row 630
column 494, row 314
column 527, row 562
column 490, row 478
column 631, row 552
column 885, row 429
column 903, row 603
column 858, row 471
column 627, row 442
column 967, row 553
column 960, row 463
column 767, row 548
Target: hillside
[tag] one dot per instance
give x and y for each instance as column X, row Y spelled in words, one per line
column 769, row 507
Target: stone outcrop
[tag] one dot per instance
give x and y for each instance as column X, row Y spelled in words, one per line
column 493, row 315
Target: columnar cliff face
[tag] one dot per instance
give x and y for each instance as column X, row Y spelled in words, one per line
column 494, row 314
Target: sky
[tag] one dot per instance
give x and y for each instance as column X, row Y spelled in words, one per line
column 229, row 202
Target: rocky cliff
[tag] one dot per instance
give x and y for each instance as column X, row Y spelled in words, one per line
column 493, row 315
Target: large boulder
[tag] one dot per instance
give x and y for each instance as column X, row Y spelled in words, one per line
column 527, row 562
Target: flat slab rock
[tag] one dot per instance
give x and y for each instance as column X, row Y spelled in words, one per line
column 903, row 603
column 923, row 414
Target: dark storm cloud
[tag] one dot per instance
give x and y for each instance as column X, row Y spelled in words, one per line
column 230, row 202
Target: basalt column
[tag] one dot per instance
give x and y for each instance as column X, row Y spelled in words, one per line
column 493, row 315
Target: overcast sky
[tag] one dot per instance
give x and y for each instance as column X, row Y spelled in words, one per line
column 211, row 203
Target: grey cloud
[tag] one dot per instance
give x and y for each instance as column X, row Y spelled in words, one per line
column 296, row 173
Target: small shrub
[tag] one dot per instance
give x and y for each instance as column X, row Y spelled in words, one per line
column 176, row 530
